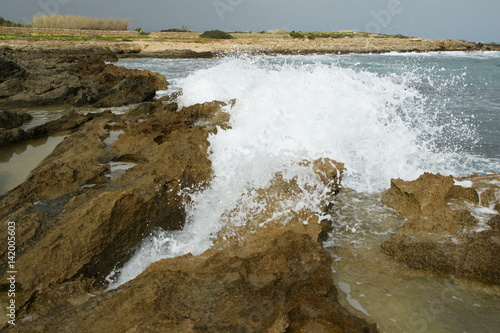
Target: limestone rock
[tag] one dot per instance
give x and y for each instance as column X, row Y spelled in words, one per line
column 82, row 219
column 451, row 225
column 74, row 77
column 275, row 278
column 9, row 70
column 67, row 122
column 85, row 218
column 273, row 284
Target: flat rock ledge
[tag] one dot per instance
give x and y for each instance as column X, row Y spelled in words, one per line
column 452, row 225
column 67, row 122
column 81, row 215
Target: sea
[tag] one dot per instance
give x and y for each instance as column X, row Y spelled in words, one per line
column 385, row 116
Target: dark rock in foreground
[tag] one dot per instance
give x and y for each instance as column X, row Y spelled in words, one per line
column 76, row 77
column 10, row 120
column 452, row 226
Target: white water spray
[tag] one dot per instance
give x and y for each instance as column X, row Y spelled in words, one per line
column 377, row 125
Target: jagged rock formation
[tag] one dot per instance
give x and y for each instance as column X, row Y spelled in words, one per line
column 81, row 215
column 77, row 218
column 452, row 226
column 76, row 77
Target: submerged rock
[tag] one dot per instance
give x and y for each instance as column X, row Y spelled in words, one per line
column 452, row 225
column 76, row 77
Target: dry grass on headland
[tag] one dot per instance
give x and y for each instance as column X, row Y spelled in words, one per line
column 189, row 45
column 79, row 22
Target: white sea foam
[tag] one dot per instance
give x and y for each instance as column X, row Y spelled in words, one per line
column 379, row 126
column 464, row 183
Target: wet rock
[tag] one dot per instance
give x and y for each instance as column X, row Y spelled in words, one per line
column 74, row 77
column 10, row 136
column 82, row 220
column 83, row 217
column 269, row 209
column 274, row 284
column 10, row 120
column 275, row 278
column 9, row 69
column 451, row 225
column 137, row 89
column 67, row 122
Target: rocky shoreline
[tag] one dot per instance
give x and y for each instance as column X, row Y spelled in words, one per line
column 253, row 44
column 79, row 216
column 82, row 221
column 73, row 77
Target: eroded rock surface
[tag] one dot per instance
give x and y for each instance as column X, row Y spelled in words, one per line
column 272, row 278
column 80, row 213
column 82, row 219
column 452, row 226
column 67, row 122
column 76, row 77
column 281, row 283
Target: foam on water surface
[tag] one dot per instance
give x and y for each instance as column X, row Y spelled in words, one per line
column 381, row 127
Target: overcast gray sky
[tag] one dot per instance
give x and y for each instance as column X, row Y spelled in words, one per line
column 473, row 20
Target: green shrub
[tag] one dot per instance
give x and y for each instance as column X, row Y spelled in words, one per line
column 216, row 34
column 294, row 34
column 277, row 32
column 174, row 30
column 400, row 36
column 7, row 23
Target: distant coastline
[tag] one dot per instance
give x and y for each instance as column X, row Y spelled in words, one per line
column 189, row 45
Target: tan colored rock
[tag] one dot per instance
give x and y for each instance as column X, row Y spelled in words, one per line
column 271, row 284
column 82, row 220
column 446, row 44
column 9, row 120
column 268, row 210
column 277, row 278
column 451, row 225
